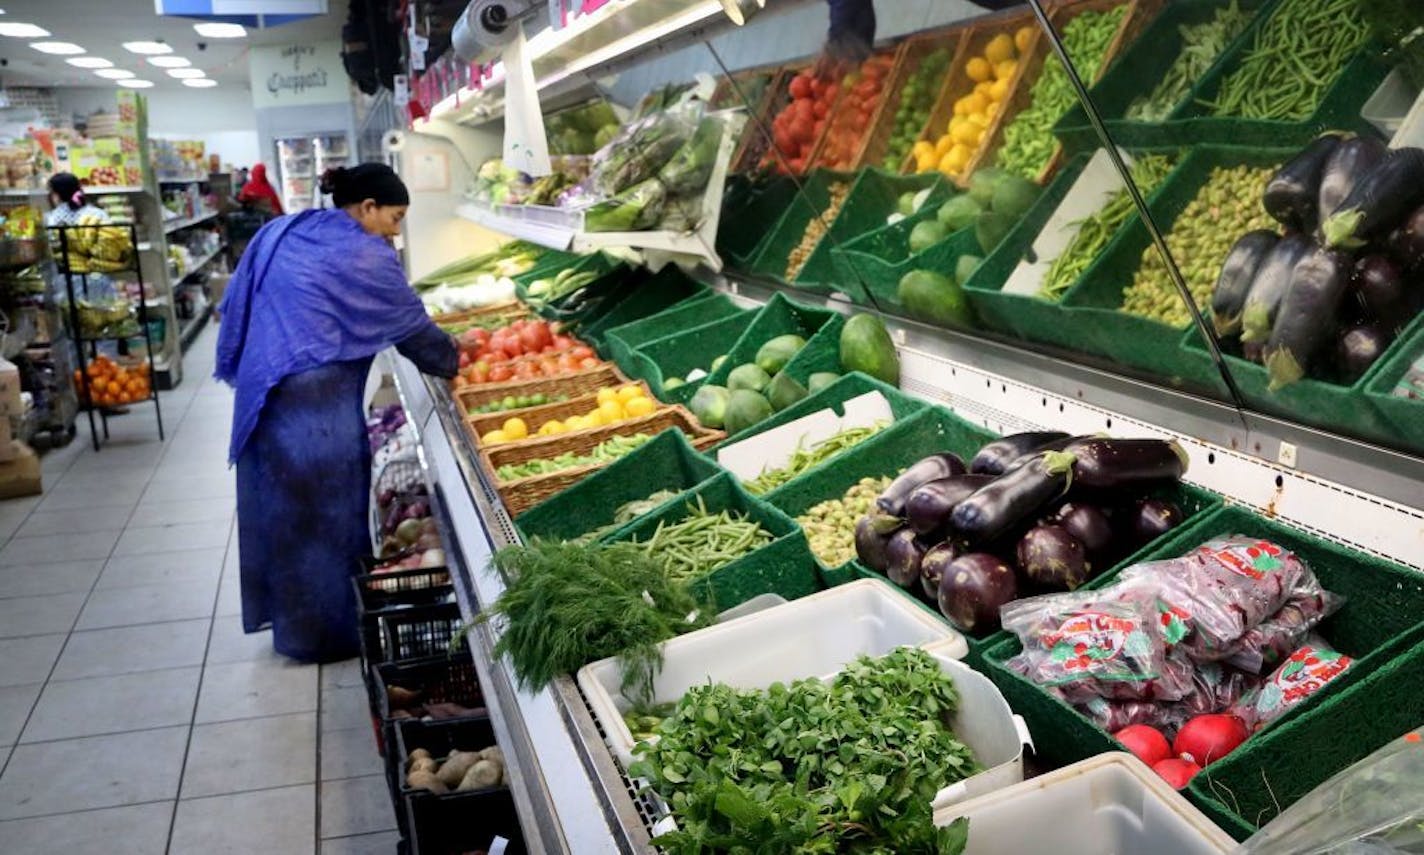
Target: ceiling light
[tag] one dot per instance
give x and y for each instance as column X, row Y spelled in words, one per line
column 168, row 61
column 113, row 73
column 57, row 48
column 89, row 62
column 220, row 31
column 200, row 83
column 147, row 48
column 17, row 30
column 186, row 73
column 136, row 83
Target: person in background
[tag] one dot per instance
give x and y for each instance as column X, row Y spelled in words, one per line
column 66, row 197
column 259, row 192
column 316, row 296
column 852, row 33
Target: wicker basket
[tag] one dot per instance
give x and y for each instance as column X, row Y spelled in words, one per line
column 524, row 493
column 535, row 416
column 756, row 139
column 834, row 117
column 914, row 51
column 510, row 310
column 574, row 384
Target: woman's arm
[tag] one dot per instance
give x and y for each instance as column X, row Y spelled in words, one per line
column 432, row 350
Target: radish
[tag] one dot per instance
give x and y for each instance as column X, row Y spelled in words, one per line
column 1207, row 738
column 1176, row 772
column 1146, row 741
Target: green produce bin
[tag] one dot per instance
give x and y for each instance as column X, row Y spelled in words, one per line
column 784, row 566
column 849, row 386
column 920, row 434
column 548, row 264
column 666, row 462
column 745, row 224
column 1379, row 621
column 869, row 259
column 782, row 316
column 675, row 355
column 647, row 296
column 1139, row 69
column 1150, row 345
column 619, row 342
column 1403, row 416
column 565, row 308
column 874, row 196
column 812, row 199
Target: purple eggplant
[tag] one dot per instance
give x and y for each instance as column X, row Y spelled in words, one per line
column 1358, row 348
column 1307, row 316
column 892, row 500
column 1379, row 201
column 904, row 554
column 996, row 457
column 1378, row 287
column 1351, row 159
column 972, row 590
column 1058, row 444
column 1110, row 464
column 1228, row 298
column 1407, row 241
column 1292, row 195
column 1151, row 518
column 932, row 567
column 871, row 544
column 1013, row 497
column 1090, row 525
column 1269, row 286
column 929, row 506
column 1053, row 559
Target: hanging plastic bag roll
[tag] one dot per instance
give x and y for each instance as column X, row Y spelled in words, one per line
column 526, row 148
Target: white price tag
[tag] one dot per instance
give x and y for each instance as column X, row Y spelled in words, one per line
column 418, row 46
column 497, row 846
column 401, row 93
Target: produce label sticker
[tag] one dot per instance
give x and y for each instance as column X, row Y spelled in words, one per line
column 772, row 449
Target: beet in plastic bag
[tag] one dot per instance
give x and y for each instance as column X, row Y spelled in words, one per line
column 1266, row 644
column 1308, row 670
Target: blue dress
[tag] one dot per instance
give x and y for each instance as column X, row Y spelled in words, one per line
column 315, row 301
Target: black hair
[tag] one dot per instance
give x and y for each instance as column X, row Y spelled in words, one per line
column 66, row 187
column 374, row 181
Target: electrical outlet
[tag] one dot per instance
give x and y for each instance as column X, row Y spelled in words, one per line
column 1286, row 455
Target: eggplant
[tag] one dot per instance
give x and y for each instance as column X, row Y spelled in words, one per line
column 1015, row 496
column 1052, row 558
column 1151, row 518
column 1357, row 349
column 1379, row 201
column 871, row 544
column 1090, row 525
column 904, row 554
column 930, row 505
column 1407, row 241
column 973, row 588
column 1351, row 159
column 892, row 500
column 932, row 567
column 1293, row 194
column 1228, row 298
column 995, row 458
column 1269, row 285
column 1307, row 317
column 1378, row 286
column 1112, row 464
column 1052, row 445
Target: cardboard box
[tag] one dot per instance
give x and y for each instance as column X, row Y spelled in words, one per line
column 10, row 403
column 21, row 476
column 8, row 451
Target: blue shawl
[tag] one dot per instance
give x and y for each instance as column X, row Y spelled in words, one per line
column 312, row 289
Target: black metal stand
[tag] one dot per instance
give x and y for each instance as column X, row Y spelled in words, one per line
column 86, row 347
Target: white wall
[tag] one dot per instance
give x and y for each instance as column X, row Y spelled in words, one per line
column 223, row 117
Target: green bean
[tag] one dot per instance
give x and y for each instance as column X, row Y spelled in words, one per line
column 804, row 459
column 1201, row 45
column 703, row 542
column 606, row 451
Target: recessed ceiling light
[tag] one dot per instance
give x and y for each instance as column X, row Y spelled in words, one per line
column 16, row 30
column 200, row 83
column 57, row 48
column 169, row 61
column 89, row 62
column 186, row 73
column 147, row 48
column 113, row 73
column 136, row 83
column 220, row 31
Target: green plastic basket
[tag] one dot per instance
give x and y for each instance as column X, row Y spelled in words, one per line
column 648, row 296
column 920, row 434
column 874, row 196
column 881, row 279
column 619, row 342
column 742, row 226
column 548, row 264
column 782, row 316
column 1137, row 72
column 591, row 301
column 666, row 462
column 1383, row 607
column 811, row 200
column 1403, row 416
column 785, row 566
column 849, row 386
column 676, row 355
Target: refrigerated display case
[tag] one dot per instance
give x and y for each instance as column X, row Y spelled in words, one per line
column 297, row 171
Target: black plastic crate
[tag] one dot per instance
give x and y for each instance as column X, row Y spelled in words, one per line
column 415, row 632
column 438, row 679
column 461, row 823
column 381, row 594
column 439, row 738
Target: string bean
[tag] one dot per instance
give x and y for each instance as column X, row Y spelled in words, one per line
column 703, row 541
column 804, row 458
column 605, row 452
column 1201, row 45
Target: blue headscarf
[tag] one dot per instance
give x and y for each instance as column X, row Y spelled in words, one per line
column 311, row 289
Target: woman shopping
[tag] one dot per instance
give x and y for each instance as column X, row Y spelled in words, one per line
column 259, row 193
column 315, row 297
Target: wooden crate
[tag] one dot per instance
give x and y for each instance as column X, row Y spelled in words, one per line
column 510, row 310
column 818, row 156
column 535, row 416
column 915, row 49
column 574, row 384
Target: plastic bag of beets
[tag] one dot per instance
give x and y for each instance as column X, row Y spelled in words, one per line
column 1266, row 644
column 1308, row 670
column 1087, row 646
column 1214, row 689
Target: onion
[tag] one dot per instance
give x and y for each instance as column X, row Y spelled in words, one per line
column 1146, row 741
column 1207, row 738
column 1177, row 773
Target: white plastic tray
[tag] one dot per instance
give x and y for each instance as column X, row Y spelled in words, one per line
column 1111, row 804
column 814, row 636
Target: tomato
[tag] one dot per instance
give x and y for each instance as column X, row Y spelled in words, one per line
column 588, row 362
column 801, row 86
column 526, row 371
column 536, row 336
column 464, row 358
column 500, row 373
column 563, row 342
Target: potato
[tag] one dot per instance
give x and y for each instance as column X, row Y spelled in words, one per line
column 424, row 764
column 423, row 780
column 482, row 775
column 417, row 754
column 453, row 770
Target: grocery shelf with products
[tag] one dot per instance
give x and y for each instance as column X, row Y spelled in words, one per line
column 938, row 388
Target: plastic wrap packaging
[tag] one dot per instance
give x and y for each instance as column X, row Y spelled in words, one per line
column 1214, row 688
column 1376, row 806
column 1308, row 670
column 1266, row 644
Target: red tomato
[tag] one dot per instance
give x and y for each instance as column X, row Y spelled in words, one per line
column 588, row 362
column 801, row 86
column 464, row 358
column 526, row 371
column 536, row 336
column 583, row 351
column 500, row 373
column 563, row 342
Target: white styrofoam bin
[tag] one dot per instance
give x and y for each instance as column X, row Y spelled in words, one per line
column 1111, row 804
column 1411, row 130
column 815, row 636
column 1390, row 103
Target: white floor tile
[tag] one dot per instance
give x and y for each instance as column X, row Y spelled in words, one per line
column 345, row 707
column 116, row 704
column 183, row 511
column 163, row 568
column 39, row 615
column 152, row 540
column 134, row 830
column 125, row 650
column 281, row 820
column 15, row 705
column 52, row 548
column 251, row 689
column 37, row 580
column 191, row 488
column 356, row 806
column 382, row 843
column 230, row 643
column 28, row 660
column 94, row 772
column 350, row 753
column 148, row 604
column 250, row 754
column 75, row 521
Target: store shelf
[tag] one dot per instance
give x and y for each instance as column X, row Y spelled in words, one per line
column 204, row 261
column 177, row 180
column 189, row 329
column 171, row 226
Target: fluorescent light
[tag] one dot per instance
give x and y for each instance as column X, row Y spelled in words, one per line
column 200, row 83
column 147, row 48
column 16, row 30
column 220, row 31
column 169, row 61
column 89, row 62
column 57, row 48
column 113, row 73
column 136, row 83
column 186, row 73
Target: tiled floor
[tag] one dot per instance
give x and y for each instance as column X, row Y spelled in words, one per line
column 135, row 715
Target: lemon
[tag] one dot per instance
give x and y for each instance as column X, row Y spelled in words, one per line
column 494, row 437
column 551, row 427
column 1005, row 69
column 959, row 157
column 1024, row 37
column 999, row 89
column 607, row 393
column 922, row 147
column 638, row 407
column 515, row 428
column 926, row 161
column 943, row 144
column 594, row 418
column 974, row 103
column 978, row 68
column 946, row 166
column 999, row 48
column 612, row 411
column 628, row 393
column 983, row 88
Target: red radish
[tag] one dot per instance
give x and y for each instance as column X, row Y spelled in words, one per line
column 1146, row 741
column 1207, row 738
column 1176, row 772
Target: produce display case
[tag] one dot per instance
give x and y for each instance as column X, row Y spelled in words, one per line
column 914, row 52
